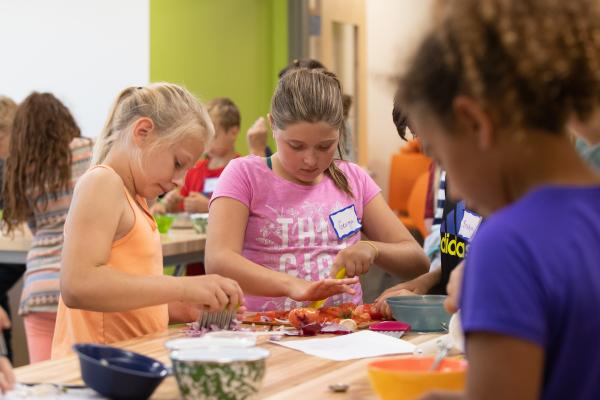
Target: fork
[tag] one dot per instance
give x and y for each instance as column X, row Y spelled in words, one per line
column 221, row 319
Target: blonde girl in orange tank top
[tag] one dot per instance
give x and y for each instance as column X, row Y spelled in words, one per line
column 112, row 283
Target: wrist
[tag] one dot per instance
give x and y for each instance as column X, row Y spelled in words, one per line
column 374, row 248
column 292, row 286
column 427, row 281
column 181, row 292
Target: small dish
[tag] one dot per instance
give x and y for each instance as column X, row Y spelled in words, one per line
column 117, row 373
column 409, row 377
column 164, row 222
column 391, row 328
column 213, row 339
column 423, row 313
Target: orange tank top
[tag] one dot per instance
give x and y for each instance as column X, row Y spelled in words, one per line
column 139, row 252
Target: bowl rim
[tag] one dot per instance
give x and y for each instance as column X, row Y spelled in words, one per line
column 260, row 354
column 206, row 342
column 371, row 366
column 162, row 374
column 419, row 297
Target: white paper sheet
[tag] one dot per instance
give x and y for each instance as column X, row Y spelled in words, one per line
column 49, row 392
column 361, row 344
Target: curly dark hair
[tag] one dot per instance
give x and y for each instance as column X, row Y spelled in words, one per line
column 39, row 160
column 531, row 63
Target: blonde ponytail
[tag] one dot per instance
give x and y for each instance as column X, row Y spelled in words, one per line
column 174, row 111
column 107, row 138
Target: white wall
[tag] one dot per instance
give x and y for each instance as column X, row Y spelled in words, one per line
column 392, row 29
column 84, row 52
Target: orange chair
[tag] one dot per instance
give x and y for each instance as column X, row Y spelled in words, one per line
column 417, row 202
column 406, row 168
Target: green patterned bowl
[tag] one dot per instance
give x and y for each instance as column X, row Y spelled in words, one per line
column 219, row 373
column 199, row 222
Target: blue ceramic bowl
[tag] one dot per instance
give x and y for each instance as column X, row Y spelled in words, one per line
column 117, row 373
column 423, row 313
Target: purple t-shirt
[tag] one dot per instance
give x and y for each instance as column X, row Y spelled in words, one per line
column 289, row 229
column 533, row 272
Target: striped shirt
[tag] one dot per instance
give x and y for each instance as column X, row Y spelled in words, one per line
column 41, row 282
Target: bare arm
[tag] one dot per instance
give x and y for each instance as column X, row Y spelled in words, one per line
column 228, row 219
column 87, row 282
column 500, row 367
column 399, row 253
column 257, row 137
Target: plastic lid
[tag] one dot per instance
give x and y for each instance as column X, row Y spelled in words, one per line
column 389, row 326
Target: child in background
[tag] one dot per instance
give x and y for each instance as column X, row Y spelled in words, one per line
column 453, row 226
column 112, row 282
column 201, row 179
column 490, row 91
column 282, row 225
column 47, row 156
column 9, row 273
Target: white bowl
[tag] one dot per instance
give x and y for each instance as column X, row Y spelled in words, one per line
column 209, row 340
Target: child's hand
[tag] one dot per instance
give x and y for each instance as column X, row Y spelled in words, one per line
column 453, row 289
column 257, row 137
column 158, row 208
column 417, row 286
column 172, row 200
column 381, row 304
column 195, row 203
column 213, row 291
column 4, row 319
column 7, row 376
column 302, row 290
column 357, row 259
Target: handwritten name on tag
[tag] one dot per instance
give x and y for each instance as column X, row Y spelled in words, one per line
column 469, row 225
column 345, row 222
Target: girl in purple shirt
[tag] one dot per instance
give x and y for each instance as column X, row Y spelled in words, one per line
column 490, row 90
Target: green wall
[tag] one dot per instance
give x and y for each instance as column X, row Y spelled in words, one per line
column 231, row 48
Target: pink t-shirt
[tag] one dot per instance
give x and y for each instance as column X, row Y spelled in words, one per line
column 289, row 229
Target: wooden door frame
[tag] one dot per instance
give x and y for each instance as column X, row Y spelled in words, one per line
column 349, row 12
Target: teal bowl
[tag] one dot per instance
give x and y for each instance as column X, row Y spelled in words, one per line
column 423, row 313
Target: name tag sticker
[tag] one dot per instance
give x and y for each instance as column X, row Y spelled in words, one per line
column 210, row 184
column 469, row 225
column 345, row 222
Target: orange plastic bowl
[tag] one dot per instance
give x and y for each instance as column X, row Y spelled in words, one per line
column 409, row 378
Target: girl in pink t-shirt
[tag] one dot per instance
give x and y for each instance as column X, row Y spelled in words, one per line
column 282, row 226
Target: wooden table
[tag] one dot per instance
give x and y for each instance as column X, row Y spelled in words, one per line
column 290, row 374
column 179, row 246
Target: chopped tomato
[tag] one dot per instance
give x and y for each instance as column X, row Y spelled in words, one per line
column 300, row 317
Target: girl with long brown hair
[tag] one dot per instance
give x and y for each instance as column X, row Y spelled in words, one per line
column 282, row 225
column 46, row 156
